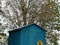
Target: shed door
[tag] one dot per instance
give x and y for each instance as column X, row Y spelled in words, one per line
column 31, row 37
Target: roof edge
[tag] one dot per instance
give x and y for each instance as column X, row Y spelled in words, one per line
column 27, row 26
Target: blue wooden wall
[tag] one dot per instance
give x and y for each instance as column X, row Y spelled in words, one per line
column 29, row 35
column 14, row 38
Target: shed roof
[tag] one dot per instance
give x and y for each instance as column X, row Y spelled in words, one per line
column 27, row 26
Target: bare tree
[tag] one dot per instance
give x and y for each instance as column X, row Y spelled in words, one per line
column 23, row 12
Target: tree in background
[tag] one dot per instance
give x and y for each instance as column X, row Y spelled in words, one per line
column 23, row 12
column 58, row 27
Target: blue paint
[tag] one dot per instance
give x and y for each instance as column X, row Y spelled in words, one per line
column 28, row 35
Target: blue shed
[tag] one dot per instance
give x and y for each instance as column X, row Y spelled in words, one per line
column 28, row 35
